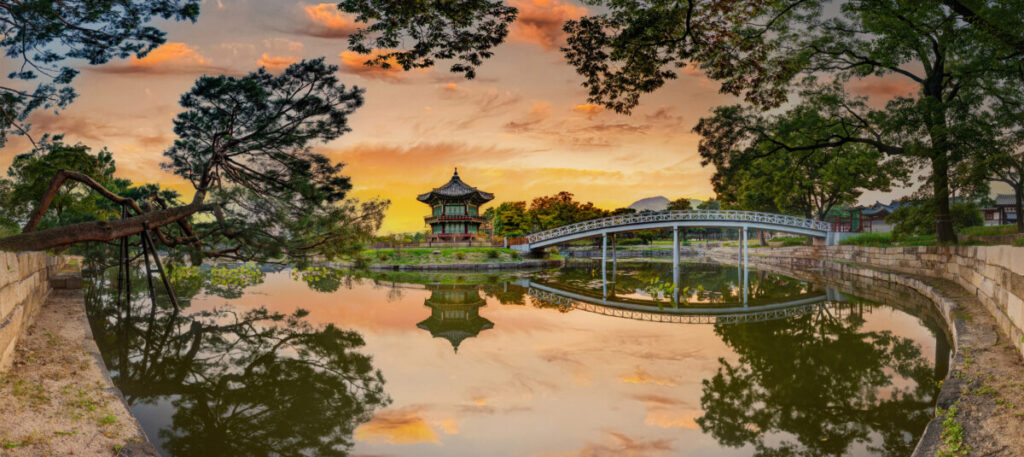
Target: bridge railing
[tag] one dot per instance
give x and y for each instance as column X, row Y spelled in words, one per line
column 708, row 215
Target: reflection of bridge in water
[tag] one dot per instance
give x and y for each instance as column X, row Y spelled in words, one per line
column 830, row 302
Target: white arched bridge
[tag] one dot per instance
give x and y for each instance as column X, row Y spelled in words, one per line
column 742, row 220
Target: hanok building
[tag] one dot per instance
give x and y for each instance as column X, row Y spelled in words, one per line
column 455, row 210
column 1003, row 212
column 454, row 313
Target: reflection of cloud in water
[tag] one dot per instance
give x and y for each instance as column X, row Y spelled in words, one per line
column 619, row 445
column 641, row 376
column 398, row 426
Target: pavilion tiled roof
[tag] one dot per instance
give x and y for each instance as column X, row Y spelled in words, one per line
column 456, row 188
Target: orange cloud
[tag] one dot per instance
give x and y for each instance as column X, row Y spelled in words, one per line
column 397, row 427
column 540, row 22
column 176, row 52
column 642, row 377
column 668, row 412
column 168, row 58
column 275, row 63
column 328, row 21
column 355, row 64
column 588, row 109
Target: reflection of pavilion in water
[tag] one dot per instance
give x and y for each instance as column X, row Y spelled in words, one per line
column 454, row 313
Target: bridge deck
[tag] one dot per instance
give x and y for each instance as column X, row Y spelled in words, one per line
column 677, row 219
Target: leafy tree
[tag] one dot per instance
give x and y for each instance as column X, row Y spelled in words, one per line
column 30, row 174
column 622, row 211
column 679, row 204
column 950, row 51
column 751, row 174
column 915, row 216
column 244, row 144
column 560, row 209
column 510, row 219
column 44, row 34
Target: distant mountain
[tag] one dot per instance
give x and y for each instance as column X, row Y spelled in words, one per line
column 658, row 203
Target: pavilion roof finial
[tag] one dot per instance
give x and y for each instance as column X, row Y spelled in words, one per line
column 456, row 172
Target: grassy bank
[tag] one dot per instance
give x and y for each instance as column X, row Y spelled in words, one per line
column 974, row 235
column 441, row 256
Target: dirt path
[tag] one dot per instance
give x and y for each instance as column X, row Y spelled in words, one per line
column 990, row 408
column 54, row 401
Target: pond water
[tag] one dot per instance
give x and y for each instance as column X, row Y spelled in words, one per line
column 549, row 363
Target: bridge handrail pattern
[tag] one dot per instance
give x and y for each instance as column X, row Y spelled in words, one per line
column 754, row 315
column 680, row 216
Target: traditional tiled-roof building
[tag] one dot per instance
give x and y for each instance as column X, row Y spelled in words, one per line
column 455, row 210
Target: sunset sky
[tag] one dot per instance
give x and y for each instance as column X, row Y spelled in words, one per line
column 521, row 129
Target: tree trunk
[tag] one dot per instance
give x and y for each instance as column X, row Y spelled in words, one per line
column 764, row 242
column 1018, row 191
column 940, row 187
column 98, row 231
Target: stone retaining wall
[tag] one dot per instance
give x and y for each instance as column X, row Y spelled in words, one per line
column 995, row 274
column 24, row 287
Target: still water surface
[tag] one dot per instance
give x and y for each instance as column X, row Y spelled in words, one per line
column 463, row 364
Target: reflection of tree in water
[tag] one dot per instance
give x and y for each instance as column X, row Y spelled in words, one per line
column 817, row 384
column 241, row 383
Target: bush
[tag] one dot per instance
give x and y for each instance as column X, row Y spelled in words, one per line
column 869, row 239
column 516, row 255
column 493, row 254
column 1019, row 242
column 918, row 218
column 460, row 255
column 793, row 242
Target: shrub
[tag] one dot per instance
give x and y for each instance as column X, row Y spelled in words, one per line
column 460, row 255
column 793, row 242
column 516, row 255
column 1019, row 242
column 493, row 254
column 918, row 218
column 869, row 239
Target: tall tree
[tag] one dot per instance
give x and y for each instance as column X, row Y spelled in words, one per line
column 752, row 172
column 560, row 209
column 757, row 49
column 679, row 204
column 244, row 144
column 44, row 34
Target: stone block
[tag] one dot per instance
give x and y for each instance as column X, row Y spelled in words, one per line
column 1015, row 311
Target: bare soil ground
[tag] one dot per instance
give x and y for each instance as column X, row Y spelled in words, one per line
column 53, row 401
column 991, row 380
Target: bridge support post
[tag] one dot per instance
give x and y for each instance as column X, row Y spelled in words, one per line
column 604, row 264
column 675, row 257
column 745, row 249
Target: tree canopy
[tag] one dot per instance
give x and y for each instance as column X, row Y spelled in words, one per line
column 244, row 144
column 43, row 35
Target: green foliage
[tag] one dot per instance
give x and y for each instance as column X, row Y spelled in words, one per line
column 43, row 35
column 1019, row 242
column 952, row 435
column 869, row 240
column 320, row 278
column 990, row 230
column 918, row 218
column 493, row 254
column 465, row 32
column 753, row 172
column 679, row 204
column 560, row 209
column 509, row 219
column 31, row 173
column 793, row 242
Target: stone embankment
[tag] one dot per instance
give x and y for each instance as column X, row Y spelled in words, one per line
column 978, row 291
column 24, row 286
column 56, row 397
